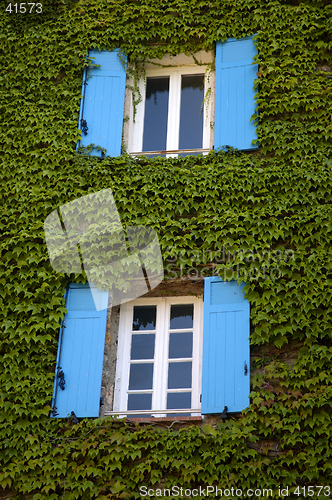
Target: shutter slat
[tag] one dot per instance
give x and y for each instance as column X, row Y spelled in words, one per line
column 104, row 103
column 82, row 352
column 234, row 99
column 225, row 347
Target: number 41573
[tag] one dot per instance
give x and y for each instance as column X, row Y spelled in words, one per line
column 22, row 8
column 312, row 491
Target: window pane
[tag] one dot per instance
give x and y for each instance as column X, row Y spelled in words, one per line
column 180, row 345
column 139, row 402
column 142, row 346
column 179, row 375
column 178, row 400
column 144, row 318
column 155, row 116
column 182, row 316
column 191, row 112
column 140, row 376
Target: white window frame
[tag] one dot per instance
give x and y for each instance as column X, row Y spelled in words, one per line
column 181, row 65
column 159, row 391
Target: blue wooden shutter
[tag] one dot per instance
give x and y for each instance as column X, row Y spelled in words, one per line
column 226, row 375
column 103, row 102
column 80, row 355
column 234, row 99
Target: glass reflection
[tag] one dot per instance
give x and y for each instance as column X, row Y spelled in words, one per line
column 156, row 111
column 180, row 345
column 144, row 318
column 182, row 316
column 139, row 402
column 191, row 112
column 142, row 346
column 177, row 400
column 179, row 375
column 140, row 376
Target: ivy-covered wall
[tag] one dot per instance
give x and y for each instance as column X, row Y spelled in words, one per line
column 275, row 203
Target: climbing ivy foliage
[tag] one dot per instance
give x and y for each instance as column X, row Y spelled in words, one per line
column 270, row 210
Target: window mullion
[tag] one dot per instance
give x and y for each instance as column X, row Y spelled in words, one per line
column 158, row 358
column 173, row 123
column 164, row 355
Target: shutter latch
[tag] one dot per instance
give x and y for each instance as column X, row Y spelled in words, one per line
column 84, row 126
column 245, row 368
column 61, row 377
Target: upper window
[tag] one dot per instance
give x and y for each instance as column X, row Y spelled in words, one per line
column 184, row 108
column 174, row 115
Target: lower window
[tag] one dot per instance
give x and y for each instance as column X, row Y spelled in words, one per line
column 159, row 357
column 162, row 368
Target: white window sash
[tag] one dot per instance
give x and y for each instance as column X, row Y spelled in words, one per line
column 136, row 128
column 160, row 375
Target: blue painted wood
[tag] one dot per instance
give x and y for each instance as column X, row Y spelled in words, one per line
column 82, row 352
column 234, row 99
column 104, row 103
column 225, row 347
